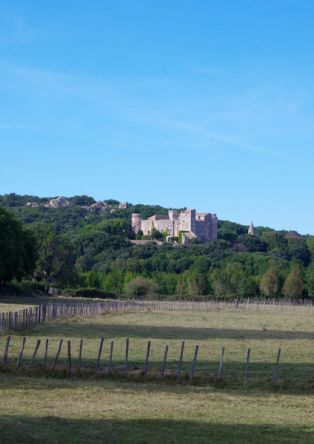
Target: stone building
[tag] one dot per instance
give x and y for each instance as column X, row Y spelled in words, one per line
column 187, row 224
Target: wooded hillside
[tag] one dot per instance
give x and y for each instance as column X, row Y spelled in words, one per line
column 79, row 243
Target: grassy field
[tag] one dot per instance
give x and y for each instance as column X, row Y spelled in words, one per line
column 15, row 303
column 47, row 410
column 262, row 332
column 53, row 409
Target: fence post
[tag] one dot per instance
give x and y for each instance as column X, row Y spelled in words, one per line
column 276, row 368
column 219, row 372
column 80, row 355
column 247, row 365
column 35, row 352
column 99, row 353
column 126, row 355
column 194, row 362
column 46, row 353
column 180, row 359
column 69, row 357
column 57, row 354
column 110, row 356
column 21, row 353
column 6, row 351
column 147, row 357
column 163, row 367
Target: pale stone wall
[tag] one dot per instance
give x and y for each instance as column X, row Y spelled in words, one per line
column 213, row 227
column 136, row 222
column 206, row 226
column 162, row 225
column 185, row 220
column 146, row 227
column 200, row 225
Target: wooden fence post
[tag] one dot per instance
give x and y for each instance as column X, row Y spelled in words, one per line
column 219, row 372
column 147, row 357
column 46, row 353
column 247, row 366
column 126, row 355
column 110, row 356
column 57, row 354
column 194, row 362
column 99, row 353
column 80, row 355
column 21, row 353
column 276, row 367
column 6, row 351
column 69, row 357
column 35, row 352
column 180, row 359
column 163, row 367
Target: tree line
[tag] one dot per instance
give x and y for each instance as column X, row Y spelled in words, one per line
column 75, row 249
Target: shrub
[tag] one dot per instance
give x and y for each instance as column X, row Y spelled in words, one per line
column 140, row 287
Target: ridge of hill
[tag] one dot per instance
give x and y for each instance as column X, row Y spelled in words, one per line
column 32, row 209
column 84, row 243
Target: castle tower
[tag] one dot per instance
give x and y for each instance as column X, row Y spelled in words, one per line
column 251, row 230
column 136, row 222
column 188, row 220
column 171, row 214
column 213, row 227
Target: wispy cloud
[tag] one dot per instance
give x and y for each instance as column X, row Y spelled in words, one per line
column 132, row 101
column 37, row 81
column 235, row 143
column 221, row 138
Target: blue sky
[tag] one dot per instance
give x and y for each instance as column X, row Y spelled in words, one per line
column 204, row 104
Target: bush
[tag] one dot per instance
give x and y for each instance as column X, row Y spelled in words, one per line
column 23, row 289
column 140, row 287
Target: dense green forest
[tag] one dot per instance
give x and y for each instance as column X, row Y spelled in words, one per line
column 81, row 246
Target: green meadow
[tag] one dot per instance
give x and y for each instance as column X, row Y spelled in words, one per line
column 97, row 407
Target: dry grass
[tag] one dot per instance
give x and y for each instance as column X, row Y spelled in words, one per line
column 236, row 330
column 54, row 410
column 58, row 411
column 15, row 303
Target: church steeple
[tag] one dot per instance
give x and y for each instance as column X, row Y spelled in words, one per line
column 251, row 229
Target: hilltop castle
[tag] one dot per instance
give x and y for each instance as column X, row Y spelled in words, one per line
column 187, row 223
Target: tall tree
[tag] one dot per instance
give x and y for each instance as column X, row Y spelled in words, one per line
column 270, row 284
column 17, row 248
column 294, row 284
column 310, row 280
column 232, row 281
column 56, row 263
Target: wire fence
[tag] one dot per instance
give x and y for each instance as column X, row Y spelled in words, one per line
column 128, row 358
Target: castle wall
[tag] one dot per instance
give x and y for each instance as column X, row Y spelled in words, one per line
column 213, row 227
column 206, row 227
column 136, row 222
column 200, row 225
column 146, row 227
column 187, row 220
column 162, row 225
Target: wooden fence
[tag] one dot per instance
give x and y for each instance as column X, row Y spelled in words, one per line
column 30, row 316
column 27, row 317
column 71, row 363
